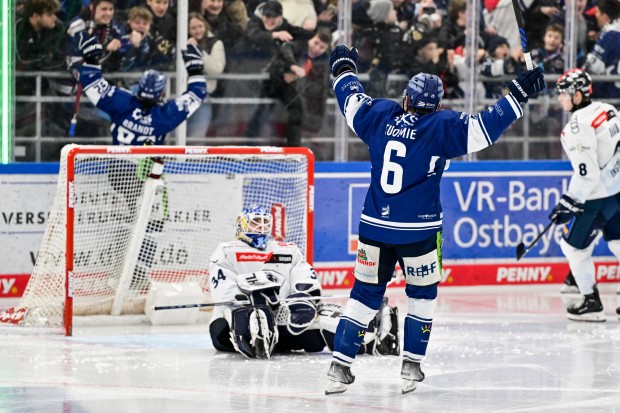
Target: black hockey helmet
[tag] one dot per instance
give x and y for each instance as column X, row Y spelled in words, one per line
column 575, row 80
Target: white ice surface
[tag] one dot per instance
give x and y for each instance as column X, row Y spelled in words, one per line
column 492, row 349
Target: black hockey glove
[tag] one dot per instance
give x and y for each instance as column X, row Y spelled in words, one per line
column 527, row 84
column 343, row 59
column 192, row 57
column 89, row 47
column 566, row 209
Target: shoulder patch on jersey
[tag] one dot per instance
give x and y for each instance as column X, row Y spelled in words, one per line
column 599, row 119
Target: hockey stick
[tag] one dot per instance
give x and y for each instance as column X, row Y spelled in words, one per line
column 76, row 108
column 90, row 27
column 521, row 25
column 521, row 250
column 241, row 302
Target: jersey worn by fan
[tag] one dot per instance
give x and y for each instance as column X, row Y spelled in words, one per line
column 408, row 155
column 590, row 139
column 605, row 60
column 237, row 257
column 131, row 123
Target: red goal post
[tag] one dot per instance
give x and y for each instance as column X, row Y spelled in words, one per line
column 124, row 216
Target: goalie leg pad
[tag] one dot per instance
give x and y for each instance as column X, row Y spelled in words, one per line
column 254, row 333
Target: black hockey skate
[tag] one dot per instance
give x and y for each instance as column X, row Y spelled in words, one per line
column 339, row 378
column 411, row 374
column 570, row 285
column 589, row 308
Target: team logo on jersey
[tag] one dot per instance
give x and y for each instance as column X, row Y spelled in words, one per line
column 137, row 115
column 405, row 118
column 426, row 328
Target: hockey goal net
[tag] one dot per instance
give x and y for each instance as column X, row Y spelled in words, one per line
column 124, row 217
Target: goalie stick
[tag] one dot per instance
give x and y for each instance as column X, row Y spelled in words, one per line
column 528, row 57
column 521, row 250
column 241, row 302
column 247, row 302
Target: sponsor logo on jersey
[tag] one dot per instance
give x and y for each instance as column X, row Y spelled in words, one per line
column 385, row 211
column 615, row 169
column 574, row 125
column 362, row 258
column 614, row 130
column 599, row 120
column 252, row 256
column 498, row 109
column 422, row 270
column 280, row 259
column 355, row 85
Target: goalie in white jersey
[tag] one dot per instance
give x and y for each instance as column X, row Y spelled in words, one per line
column 591, row 140
column 285, row 313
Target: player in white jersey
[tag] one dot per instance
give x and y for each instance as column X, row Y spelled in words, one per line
column 592, row 202
column 284, row 313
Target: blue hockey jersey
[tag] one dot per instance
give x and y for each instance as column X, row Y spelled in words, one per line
column 131, row 125
column 408, row 155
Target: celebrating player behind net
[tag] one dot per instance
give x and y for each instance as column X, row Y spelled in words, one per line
column 409, row 146
column 145, row 116
column 280, row 285
column 592, row 203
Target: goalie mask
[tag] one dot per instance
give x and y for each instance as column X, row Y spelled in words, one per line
column 253, row 226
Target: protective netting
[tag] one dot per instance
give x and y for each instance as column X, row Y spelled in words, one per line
column 130, row 229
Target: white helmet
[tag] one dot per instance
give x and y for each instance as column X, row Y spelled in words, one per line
column 253, row 226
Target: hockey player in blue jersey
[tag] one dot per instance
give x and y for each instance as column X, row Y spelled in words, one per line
column 401, row 221
column 144, row 116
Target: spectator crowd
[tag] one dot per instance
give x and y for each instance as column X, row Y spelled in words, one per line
column 290, row 40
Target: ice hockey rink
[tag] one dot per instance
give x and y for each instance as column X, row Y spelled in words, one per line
column 493, row 349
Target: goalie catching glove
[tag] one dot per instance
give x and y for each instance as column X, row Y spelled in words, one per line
column 296, row 313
